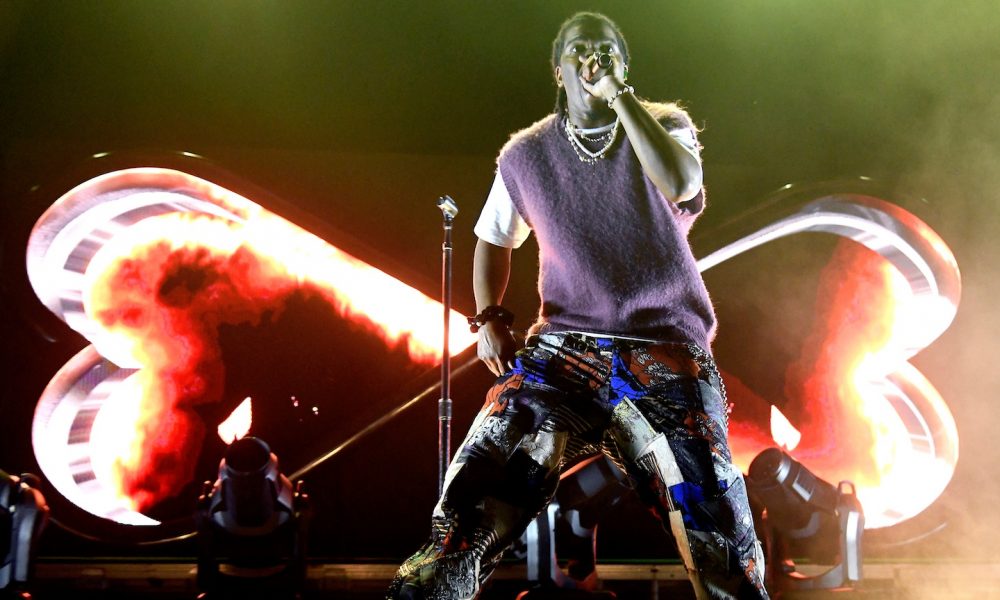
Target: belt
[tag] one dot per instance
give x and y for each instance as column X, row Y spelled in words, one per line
column 582, row 342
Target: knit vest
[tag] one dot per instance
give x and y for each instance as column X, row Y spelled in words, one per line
column 613, row 251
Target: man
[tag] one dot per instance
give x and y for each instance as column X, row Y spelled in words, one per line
column 618, row 360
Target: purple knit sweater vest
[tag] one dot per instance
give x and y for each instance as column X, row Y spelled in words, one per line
column 613, row 252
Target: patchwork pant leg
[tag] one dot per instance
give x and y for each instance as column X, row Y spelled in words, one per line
column 504, row 475
column 671, row 432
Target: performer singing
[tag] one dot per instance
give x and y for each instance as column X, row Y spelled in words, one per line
column 619, row 358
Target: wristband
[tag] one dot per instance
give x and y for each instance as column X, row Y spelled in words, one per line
column 491, row 313
column 625, row 90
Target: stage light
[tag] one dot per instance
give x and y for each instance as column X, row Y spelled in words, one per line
column 566, row 531
column 251, row 526
column 23, row 515
column 806, row 516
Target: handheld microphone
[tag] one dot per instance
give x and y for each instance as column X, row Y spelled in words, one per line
column 603, row 60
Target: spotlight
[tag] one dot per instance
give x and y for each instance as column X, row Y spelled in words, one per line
column 23, row 515
column 569, row 524
column 251, row 527
column 806, row 516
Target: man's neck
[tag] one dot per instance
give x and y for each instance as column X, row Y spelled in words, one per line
column 591, row 120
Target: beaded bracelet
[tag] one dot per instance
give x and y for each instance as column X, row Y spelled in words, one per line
column 491, row 313
column 625, row 90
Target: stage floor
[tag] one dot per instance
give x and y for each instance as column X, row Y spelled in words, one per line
column 73, row 578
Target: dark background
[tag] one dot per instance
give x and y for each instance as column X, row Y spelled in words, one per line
column 359, row 115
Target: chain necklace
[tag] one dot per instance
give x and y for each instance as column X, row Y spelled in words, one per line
column 576, row 139
column 595, row 137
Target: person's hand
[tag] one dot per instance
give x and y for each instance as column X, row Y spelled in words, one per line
column 603, row 82
column 496, row 347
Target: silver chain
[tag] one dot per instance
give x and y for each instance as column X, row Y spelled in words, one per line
column 707, row 365
column 582, row 152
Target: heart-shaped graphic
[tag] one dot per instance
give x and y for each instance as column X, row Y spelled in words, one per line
column 862, row 412
column 154, row 267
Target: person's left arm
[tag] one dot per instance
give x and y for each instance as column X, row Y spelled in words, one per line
column 670, row 165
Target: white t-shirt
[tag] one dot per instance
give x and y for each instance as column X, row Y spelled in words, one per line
column 500, row 224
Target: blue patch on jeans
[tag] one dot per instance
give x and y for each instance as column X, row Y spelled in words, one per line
column 688, row 497
column 622, row 384
column 531, row 375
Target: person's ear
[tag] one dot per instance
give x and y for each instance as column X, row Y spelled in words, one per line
column 559, row 77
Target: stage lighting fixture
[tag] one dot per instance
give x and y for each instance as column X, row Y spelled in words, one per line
column 23, row 515
column 806, row 517
column 569, row 525
column 251, row 527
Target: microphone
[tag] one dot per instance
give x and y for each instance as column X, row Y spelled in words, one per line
column 603, row 59
column 447, row 206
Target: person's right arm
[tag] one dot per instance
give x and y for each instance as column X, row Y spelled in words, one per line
column 490, row 274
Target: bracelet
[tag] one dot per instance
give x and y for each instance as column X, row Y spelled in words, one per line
column 625, row 90
column 491, row 313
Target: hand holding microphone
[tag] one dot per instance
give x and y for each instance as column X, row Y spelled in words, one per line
column 609, row 85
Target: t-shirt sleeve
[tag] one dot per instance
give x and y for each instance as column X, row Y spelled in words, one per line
column 499, row 223
column 686, row 134
column 687, row 137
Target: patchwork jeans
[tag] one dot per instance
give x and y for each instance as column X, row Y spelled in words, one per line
column 657, row 409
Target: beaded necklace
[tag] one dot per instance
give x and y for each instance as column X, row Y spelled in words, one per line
column 576, row 140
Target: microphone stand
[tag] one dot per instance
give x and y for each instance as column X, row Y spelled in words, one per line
column 448, row 211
